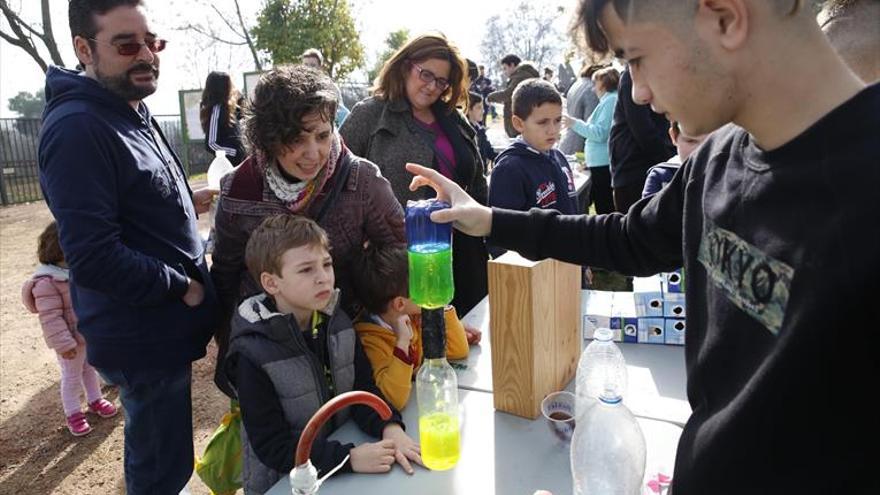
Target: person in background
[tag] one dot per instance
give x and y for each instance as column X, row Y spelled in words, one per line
column 127, row 226
column 482, row 85
column 292, row 349
column 661, row 174
column 853, row 28
column 313, row 58
column 596, row 131
column 580, row 102
column 413, row 117
column 773, row 217
column 219, row 113
column 298, row 166
column 548, row 75
column 516, row 71
column 638, row 141
column 531, row 173
column 47, row 294
column 390, row 328
column 474, row 114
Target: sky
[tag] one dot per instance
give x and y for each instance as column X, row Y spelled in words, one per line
column 182, row 67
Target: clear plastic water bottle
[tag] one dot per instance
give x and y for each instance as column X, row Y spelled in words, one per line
column 608, row 449
column 437, row 396
column 219, row 167
column 602, row 365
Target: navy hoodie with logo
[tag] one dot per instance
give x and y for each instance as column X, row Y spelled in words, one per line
column 127, row 227
column 525, row 178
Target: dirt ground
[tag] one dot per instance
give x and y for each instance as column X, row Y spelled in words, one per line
column 37, row 453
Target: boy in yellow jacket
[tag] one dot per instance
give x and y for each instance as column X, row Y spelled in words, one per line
column 390, row 324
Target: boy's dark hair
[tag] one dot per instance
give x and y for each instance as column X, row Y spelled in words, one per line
column 48, row 246
column 531, row 94
column 282, row 98
column 511, row 59
column 585, row 23
column 382, row 276
column 81, row 15
column 473, row 99
column 276, row 235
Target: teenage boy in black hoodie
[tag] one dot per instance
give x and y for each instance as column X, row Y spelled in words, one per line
column 775, row 218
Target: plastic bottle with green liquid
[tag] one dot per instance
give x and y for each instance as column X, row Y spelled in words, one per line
column 437, row 395
column 429, row 248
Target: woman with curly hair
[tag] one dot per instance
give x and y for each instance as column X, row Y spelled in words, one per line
column 219, row 112
column 298, row 166
column 412, row 117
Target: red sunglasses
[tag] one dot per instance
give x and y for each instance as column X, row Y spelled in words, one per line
column 132, row 48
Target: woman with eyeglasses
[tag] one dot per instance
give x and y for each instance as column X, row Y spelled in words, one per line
column 412, row 117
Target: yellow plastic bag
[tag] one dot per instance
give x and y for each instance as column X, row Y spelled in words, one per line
column 220, row 466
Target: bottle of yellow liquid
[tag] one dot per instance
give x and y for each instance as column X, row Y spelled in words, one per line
column 437, row 395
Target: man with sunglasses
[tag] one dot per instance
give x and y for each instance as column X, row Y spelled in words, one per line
column 127, row 222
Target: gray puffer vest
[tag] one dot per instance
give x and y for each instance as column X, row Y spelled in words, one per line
column 272, row 341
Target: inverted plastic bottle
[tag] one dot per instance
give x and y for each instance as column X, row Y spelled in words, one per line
column 429, row 247
column 219, row 167
column 601, row 365
column 608, row 449
column 437, row 396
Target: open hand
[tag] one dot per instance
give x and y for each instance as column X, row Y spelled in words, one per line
column 405, row 448
column 466, row 213
column 376, row 457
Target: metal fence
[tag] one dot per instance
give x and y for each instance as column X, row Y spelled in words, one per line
column 19, row 180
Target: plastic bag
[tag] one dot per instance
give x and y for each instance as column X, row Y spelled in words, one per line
column 220, row 466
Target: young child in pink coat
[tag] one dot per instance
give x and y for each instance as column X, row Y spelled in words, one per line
column 47, row 293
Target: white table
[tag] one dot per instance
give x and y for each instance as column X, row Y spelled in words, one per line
column 500, row 454
column 656, row 373
column 506, row 454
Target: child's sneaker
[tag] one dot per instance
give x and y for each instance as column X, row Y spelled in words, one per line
column 103, row 408
column 78, row 425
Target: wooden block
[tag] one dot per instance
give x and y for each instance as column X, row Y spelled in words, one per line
column 534, row 330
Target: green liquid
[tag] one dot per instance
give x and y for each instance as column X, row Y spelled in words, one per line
column 430, row 275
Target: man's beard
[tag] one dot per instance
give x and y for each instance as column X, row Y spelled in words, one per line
column 123, row 86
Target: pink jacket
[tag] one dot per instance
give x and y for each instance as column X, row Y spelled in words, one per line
column 48, row 294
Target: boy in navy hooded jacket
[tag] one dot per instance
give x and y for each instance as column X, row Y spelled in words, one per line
column 530, row 173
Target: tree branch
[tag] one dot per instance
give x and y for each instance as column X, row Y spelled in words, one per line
column 209, row 34
column 247, row 38
column 223, row 18
column 48, row 36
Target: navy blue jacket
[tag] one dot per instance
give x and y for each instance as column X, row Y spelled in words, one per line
column 127, row 227
column 525, row 178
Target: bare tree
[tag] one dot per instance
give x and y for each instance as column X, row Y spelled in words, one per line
column 30, row 38
column 231, row 29
column 528, row 30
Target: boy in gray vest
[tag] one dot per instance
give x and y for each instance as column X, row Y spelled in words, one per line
column 291, row 350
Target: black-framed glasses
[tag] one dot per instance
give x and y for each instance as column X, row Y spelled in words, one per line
column 131, row 48
column 428, row 77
